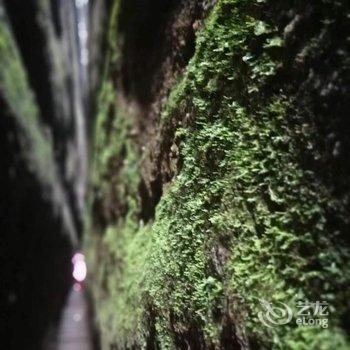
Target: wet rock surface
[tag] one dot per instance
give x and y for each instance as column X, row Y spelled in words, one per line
column 41, row 216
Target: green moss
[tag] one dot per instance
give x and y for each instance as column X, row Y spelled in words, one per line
column 123, row 244
column 244, row 218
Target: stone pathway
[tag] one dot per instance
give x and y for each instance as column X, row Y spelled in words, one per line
column 73, row 332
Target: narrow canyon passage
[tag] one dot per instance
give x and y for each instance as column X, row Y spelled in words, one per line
column 174, row 175
column 44, row 97
column 73, row 331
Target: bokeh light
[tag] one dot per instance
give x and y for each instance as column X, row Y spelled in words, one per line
column 79, row 267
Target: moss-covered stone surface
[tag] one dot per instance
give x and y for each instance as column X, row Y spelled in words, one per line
column 221, row 174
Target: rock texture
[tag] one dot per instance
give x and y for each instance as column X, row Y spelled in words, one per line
column 221, row 173
column 39, row 213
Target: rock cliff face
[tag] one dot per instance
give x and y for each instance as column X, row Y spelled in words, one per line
column 39, row 211
column 221, row 173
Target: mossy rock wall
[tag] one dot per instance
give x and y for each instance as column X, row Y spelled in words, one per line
column 220, row 174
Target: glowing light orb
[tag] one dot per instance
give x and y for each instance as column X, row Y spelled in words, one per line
column 79, row 267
